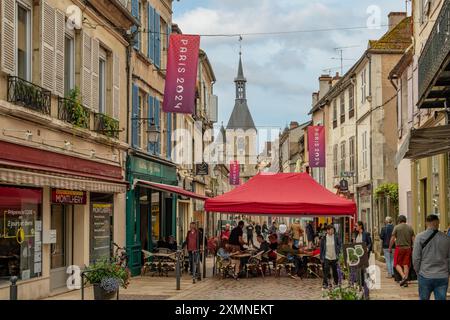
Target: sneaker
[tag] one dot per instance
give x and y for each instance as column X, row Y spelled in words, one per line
column 404, row 280
column 405, row 285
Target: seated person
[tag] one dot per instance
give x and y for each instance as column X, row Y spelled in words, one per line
column 161, row 243
column 286, row 249
column 225, row 254
column 263, row 247
column 171, row 243
column 273, row 246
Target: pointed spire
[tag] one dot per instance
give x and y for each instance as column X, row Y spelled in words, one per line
column 240, row 75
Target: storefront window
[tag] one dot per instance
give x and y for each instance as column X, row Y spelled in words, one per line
column 101, row 230
column 20, row 232
column 435, row 185
column 156, row 221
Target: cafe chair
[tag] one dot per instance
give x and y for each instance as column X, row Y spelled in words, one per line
column 225, row 268
column 314, row 267
column 282, row 263
column 149, row 265
column 254, row 264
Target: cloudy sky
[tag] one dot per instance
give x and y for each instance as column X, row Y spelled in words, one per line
column 282, row 70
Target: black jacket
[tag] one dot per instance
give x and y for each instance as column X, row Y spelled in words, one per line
column 385, row 235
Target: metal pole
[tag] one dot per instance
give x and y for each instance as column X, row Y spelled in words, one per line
column 204, row 246
column 177, row 268
column 13, row 288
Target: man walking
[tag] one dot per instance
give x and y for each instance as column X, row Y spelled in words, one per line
column 265, row 230
column 431, row 260
column 193, row 245
column 330, row 248
column 297, row 232
column 385, row 236
column 403, row 237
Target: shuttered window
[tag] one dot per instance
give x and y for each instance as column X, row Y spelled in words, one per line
column 154, row 36
column 169, row 136
column 135, row 136
column 98, row 89
column 116, row 86
column 158, row 125
column 8, row 36
column 48, row 47
column 60, row 39
column 135, row 11
column 151, row 147
column 69, row 64
column 86, row 73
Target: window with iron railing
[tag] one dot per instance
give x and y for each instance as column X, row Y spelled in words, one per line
column 28, row 95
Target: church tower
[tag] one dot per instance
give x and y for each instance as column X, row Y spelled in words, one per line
column 241, row 132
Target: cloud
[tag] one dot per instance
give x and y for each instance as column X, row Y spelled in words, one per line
column 281, row 70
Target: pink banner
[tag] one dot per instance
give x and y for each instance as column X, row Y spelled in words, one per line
column 181, row 75
column 316, row 146
column 234, row 173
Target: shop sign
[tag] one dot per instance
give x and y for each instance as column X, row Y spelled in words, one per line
column 356, row 255
column 68, row 196
column 202, row 169
column 18, row 224
column 343, row 185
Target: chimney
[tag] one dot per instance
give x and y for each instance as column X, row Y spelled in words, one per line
column 315, row 98
column 336, row 78
column 324, row 85
column 293, row 125
column 395, row 18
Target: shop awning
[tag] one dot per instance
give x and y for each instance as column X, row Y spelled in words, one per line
column 285, row 194
column 38, row 178
column 425, row 142
column 170, row 189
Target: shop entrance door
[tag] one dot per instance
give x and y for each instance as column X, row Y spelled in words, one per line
column 61, row 251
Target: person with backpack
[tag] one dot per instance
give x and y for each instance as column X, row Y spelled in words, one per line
column 431, row 260
column 385, row 236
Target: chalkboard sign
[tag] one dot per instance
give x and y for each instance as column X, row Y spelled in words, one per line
column 101, row 214
column 356, row 255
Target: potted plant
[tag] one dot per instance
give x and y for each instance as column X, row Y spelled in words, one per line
column 107, row 277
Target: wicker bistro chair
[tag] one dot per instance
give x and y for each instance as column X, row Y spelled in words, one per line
column 225, row 268
column 149, row 265
column 255, row 264
column 314, row 267
column 282, row 263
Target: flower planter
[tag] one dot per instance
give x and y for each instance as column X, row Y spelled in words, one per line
column 102, row 294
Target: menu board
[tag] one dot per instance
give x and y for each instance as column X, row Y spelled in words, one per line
column 101, row 232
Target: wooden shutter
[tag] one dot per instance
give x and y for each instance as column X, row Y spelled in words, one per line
column 158, row 125
column 157, row 60
column 8, row 38
column 135, row 115
column 116, row 86
column 135, row 13
column 86, row 77
column 151, row 33
column 150, row 115
column 48, row 47
column 60, row 37
column 169, row 136
column 94, row 72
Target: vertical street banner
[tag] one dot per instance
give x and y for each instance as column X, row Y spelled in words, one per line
column 316, row 146
column 234, row 173
column 181, row 75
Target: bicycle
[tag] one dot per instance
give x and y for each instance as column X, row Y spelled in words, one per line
column 120, row 256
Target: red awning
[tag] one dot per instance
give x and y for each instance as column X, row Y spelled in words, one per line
column 282, row 194
column 171, row 189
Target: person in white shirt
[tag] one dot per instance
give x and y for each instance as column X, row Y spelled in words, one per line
column 330, row 249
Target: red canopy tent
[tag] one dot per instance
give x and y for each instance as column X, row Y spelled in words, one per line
column 283, row 194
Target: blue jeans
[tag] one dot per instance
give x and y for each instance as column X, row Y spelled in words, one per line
column 296, row 243
column 389, row 257
column 437, row 286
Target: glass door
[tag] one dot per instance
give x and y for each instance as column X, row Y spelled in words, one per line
column 61, row 251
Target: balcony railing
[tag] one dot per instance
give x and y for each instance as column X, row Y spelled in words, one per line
column 73, row 112
column 435, row 51
column 106, row 125
column 29, row 95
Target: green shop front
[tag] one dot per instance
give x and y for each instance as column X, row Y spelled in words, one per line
column 151, row 206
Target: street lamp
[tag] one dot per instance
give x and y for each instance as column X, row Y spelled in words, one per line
column 153, row 132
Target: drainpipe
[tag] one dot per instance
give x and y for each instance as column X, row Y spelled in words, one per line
column 371, row 145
